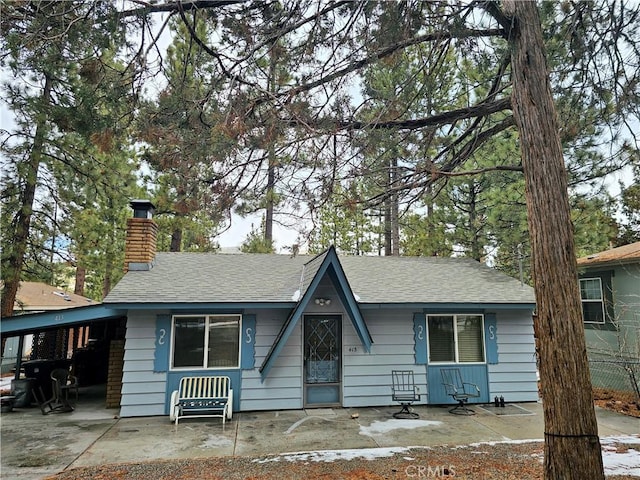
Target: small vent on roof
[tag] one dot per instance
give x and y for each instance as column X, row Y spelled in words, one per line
column 63, row 295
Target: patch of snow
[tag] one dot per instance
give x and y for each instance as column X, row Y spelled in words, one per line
column 620, row 463
column 624, row 463
column 333, row 455
column 626, row 439
column 627, row 463
column 500, row 442
column 296, row 296
column 380, row 428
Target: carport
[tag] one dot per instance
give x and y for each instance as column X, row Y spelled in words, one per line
column 89, row 340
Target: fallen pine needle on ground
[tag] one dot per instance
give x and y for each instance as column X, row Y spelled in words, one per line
column 483, row 461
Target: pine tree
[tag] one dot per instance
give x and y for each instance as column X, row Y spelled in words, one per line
column 56, row 55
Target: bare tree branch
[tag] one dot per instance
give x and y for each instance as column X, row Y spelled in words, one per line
column 481, row 110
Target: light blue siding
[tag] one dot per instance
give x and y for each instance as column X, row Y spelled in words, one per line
column 140, row 376
column 139, row 345
column 367, row 377
column 150, row 400
column 282, row 389
column 514, row 377
column 147, row 387
column 143, row 391
column 139, row 353
column 138, row 366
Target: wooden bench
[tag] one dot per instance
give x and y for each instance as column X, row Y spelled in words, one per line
column 202, row 397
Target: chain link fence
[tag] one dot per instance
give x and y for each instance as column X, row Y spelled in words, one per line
column 616, row 379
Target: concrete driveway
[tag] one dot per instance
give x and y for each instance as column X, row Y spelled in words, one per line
column 34, row 446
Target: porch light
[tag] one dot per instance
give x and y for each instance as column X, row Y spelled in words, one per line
column 323, row 301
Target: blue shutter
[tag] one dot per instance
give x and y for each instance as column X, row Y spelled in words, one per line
column 248, row 342
column 163, row 337
column 420, row 338
column 491, row 338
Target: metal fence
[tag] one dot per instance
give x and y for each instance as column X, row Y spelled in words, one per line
column 615, row 379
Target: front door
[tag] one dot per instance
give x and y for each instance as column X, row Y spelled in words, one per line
column 322, row 360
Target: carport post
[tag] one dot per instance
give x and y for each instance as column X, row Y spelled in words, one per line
column 19, row 356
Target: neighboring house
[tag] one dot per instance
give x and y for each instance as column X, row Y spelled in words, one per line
column 301, row 331
column 39, row 297
column 610, row 291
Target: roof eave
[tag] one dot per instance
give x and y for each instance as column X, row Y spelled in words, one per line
column 447, row 305
column 331, row 265
column 32, row 322
column 201, row 305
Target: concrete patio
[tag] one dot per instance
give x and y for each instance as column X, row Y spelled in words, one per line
column 34, row 446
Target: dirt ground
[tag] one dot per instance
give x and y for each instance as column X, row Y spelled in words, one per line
column 502, row 461
column 621, row 402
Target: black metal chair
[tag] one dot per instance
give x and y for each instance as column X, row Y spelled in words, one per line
column 60, row 386
column 405, row 392
column 459, row 390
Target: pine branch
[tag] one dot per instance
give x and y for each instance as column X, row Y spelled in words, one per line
column 481, row 110
column 383, row 53
column 173, row 7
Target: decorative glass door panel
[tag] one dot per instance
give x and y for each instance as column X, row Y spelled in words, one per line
column 322, row 358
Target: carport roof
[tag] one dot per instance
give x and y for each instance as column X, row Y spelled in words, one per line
column 32, row 322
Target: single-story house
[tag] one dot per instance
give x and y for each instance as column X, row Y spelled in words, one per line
column 302, row 331
column 299, row 331
column 610, row 292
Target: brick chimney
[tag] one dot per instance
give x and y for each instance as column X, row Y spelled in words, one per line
column 142, row 231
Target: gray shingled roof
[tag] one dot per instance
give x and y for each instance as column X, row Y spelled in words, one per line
column 211, row 278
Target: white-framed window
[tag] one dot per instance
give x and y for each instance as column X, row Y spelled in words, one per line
column 592, row 296
column 456, row 338
column 206, row 341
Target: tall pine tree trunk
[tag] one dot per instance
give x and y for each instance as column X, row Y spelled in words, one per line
column 391, row 220
column 387, row 226
column 395, row 215
column 271, row 153
column 572, row 447
column 81, row 275
column 176, row 240
column 270, row 204
column 12, row 265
